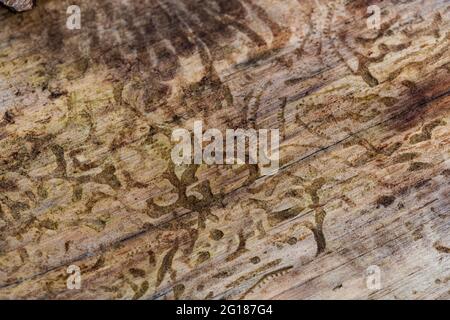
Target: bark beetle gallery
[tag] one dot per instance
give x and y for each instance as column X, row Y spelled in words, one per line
column 92, row 205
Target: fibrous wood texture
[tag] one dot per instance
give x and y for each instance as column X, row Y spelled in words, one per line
column 86, row 177
column 18, row 5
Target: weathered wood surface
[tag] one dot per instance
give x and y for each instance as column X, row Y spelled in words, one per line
column 18, row 5
column 86, row 177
